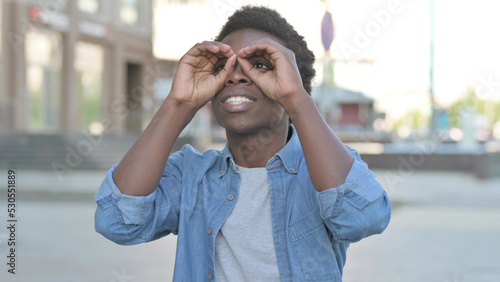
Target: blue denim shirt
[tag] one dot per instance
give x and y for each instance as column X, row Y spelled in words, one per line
column 197, row 191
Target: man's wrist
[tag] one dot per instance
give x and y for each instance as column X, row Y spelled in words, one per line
column 179, row 105
column 297, row 103
column 182, row 111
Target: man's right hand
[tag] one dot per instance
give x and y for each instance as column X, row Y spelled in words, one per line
column 202, row 73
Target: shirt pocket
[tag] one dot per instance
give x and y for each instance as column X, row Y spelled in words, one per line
column 312, row 248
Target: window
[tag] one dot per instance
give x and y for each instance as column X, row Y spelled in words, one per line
column 90, row 6
column 43, row 79
column 129, row 12
column 89, row 65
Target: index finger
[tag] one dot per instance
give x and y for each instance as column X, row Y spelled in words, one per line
column 265, row 47
column 205, row 48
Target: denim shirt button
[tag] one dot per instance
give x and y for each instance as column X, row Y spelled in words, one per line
column 222, row 172
column 210, row 231
column 210, row 276
column 230, row 197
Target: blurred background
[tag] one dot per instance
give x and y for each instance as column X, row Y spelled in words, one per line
column 414, row 86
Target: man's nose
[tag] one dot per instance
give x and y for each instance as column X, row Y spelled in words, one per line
column 237, row 77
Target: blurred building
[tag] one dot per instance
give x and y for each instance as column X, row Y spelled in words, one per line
column 74, row 65
column 77, row 81
column 345, row 109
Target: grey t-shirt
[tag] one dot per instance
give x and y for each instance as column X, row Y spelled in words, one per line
column 244, row 247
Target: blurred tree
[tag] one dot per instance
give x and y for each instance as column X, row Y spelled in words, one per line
column 415, row 120
column 471, row 101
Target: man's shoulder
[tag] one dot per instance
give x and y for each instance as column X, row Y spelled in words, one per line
column 188, row 149
column 191, row 156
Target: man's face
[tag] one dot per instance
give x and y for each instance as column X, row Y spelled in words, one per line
column 241, row 107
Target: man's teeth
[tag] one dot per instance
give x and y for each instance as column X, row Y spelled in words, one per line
column 237, row 100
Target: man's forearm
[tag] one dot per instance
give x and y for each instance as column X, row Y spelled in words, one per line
column 139, row 172
column 328, row 161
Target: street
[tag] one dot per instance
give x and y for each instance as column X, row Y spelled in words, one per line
column 57, row 242
column 445, row 227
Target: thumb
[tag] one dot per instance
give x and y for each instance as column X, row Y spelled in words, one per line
column 227, row 70
column 249, row 70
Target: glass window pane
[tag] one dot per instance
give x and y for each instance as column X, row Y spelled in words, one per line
column 43, row 79
column 89, row 6
column 129, row 11
column 89, row 65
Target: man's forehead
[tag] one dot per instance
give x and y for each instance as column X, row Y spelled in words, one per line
column 243, row 37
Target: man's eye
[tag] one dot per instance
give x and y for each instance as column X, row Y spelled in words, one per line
column 261, row 66
column 218, row 68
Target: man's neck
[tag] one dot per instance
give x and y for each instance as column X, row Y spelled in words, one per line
column 256, row 149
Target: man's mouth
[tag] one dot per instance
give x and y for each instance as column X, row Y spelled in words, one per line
column 237, row 100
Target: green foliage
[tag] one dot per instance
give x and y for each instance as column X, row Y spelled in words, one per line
column 415, row 120
column 35, row 114
column 472, row 102
column 89, row 102
column 420, row 119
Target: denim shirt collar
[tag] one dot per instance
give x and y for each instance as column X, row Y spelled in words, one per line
column 288, row 156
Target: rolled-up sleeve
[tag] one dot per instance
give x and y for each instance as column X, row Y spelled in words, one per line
column 358, row 208
column 129, row 220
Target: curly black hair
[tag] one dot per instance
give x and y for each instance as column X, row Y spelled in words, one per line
column 271, row 22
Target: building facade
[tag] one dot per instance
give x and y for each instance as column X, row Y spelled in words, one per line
column 73, row 65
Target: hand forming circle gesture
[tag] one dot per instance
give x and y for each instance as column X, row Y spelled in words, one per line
column 195, row 81
column 281, row 78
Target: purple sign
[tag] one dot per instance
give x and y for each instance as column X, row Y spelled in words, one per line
column 327, row 30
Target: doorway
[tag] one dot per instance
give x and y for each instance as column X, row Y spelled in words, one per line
column 134, row 93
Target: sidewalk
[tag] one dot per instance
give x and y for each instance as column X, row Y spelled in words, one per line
column 413, row 187
column 445, row 227
column 446, row 188
column 76, row 182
